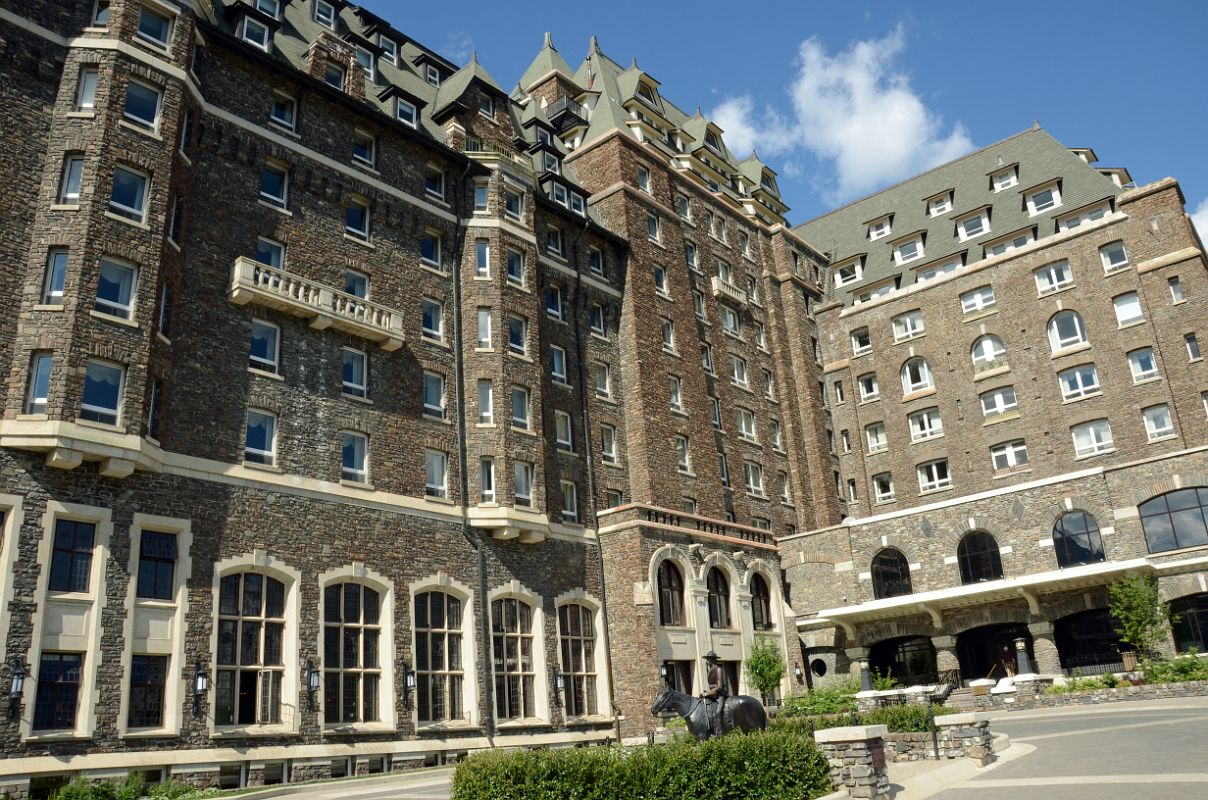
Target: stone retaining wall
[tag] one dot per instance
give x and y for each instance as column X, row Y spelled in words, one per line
column 957, row 736
column 1032, row 695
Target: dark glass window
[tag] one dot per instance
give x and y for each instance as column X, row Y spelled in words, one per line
column 679, row 675
column 671, row 594
column 1076, row 540
column 512, row 648
column 577, row 637
column 251, row 632
column 147, row 678
column 719, row 599
column 1175, row 520
column 156, row 565
column 351, row 660
column 58, row 691
column 439, row 673
column 890, row 574
column 978, row 557
column 1191, row 629
column 761, row 603
column 71, row 561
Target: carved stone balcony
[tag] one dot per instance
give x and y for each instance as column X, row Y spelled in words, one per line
column 325, row 307
column 728, row 291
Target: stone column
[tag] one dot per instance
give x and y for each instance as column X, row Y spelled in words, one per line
column 945, row 653
column 1048, row 662
column 857, row 759
column 966, row 735
column 854, row 656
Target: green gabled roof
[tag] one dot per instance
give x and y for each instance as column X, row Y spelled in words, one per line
column 752, row 168
column 452, row 89
column 695, row 127
column 535, row 112
column 547, row 60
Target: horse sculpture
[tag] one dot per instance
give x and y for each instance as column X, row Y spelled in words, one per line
column 740, row 712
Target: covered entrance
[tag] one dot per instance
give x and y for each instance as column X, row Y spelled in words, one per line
column 989, row 651
column 910, row 659
column 1087, row 642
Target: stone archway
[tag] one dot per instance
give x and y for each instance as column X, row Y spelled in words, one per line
column 910, row 659
column 988, row 651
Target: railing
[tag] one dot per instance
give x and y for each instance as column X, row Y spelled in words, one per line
column 253, row 282
column 565, row 105
column 728, row 291
column 1092, row 664
column 499, row 148
column 662, row 516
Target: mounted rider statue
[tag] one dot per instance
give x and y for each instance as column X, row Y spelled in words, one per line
column 715, row 697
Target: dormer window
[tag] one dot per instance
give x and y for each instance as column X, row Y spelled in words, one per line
column 406, row 112
column 432, row 74
column 365, row 60
column 577, row 205
column 769, row 183
column 909, row 250
column 486, row 106
column 333, row 75
column 850, row 272
column 647, row 94
column 325, row 13
column 1009, row 243
column 1044, row 199
column 1084, row 217
column 938, row 206
column 1004, row 179
column 543, row 136
column 712, row 142
column 389, row 49
column 255, row 32
column 270, row 7
column 878, row 229
column 972, row 226
column 552, row 164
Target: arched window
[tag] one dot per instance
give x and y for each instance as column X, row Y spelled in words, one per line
column 1076, row 540
column 439, row 673
column 250, row 657
column 577, row 636
column 978, row 557
column 1175, row 520
column 352, row 667
column 719, row 599
column 890, row 574
column 916, row 376
column 671, row 594
column 1191, row 627
column 988, row 352
column 1066, row 330
column 512, row 644
column 761, row 603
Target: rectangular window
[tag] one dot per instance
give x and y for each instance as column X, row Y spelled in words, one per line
column 786, row 495
column 129, row 196
column 910, row 250
column 354, row 457
column 595, row 261
column 261, row 443
column 877, row 441
column 668, row 329
column 777, row 440
column 1128, row 309
column 255, row 32
column 880, row 228
column 1158, row 423
column 934, row 476
column 683, row 459
column 432, row 74
column 103, row 383
column 434, row 182
column 38, row 393
column 432, row 319
column 1176, row 289
column 1053, row 277
column 430, row 249
column 56, row 277
column 972, row 227
column 938, row 206
column 738, row 370
column 86, row 83
column 1193, row 346
column 746, row 425
column 364, row 147
column 644, row 179
column 608, row 444
column 601, row 378
column 513, row 204
column 907, row 326
column 355, row 373
column 516, row 267
column 325, row 13
column 729, row 320
column 58, row 691
column 1009, row 456
column 389, row 49
column 482, row 258
column 675, row 391
column 861, row 342
column 769, row 386
column 148, row 677
column 977, row 299
column 753, row 478
column 1044, row 200
column 723, row 466
column 564, row 435
column 156, row 565
column 480, row 197
column 365, row 61
column 690, row 256
column 69, row 185
column 274, row 184
column 715, row 412
column 926, row 424
column 597, row 322
column 998, row 401
column 486, row 402
column 883, row 487
column 522, row 483
column 154, row 25
column 1004, row 179
column 557, row 364
column 1091, row 438
column 176, row 220
column 553, row 300
column 486, row 480
column 517, row 334
column 71, row 558
column 652, row 227
column 285, row 110
column 265, row 348
column 1142, row 364
column 356, row 283
column 356, row 218
column 1079, row 382
column 553, row 241
column 436, row 472
column 406, row 112
column 869, row 390
column 434, row 395
column 520, row 408
column 486, row 321
column 100, row 13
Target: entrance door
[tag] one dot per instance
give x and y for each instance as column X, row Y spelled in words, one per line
column 988, row 651
column 910, row 659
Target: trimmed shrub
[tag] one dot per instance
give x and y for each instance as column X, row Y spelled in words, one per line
column 764, row 766
column 1189, row 667
column 833, row 698
column 910, row 718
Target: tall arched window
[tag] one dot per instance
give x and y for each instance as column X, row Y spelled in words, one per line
column 719, row 598
column 988, row 352
column 1175, row 520
column 1191, row 627
column 1076, row 540
column 1066, row 330
column 761, row 603
column 512, row 645
column 577, row 637
column 250, row 657
column 352, row 667
column 978, row 557
column 439, row 673
column 916, row 376
column 671, row 594
column 890, row 574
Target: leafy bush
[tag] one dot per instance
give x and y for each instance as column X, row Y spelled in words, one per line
column 1189, row 667
column 910, row 718
column 132, row 788
column 883, row 682
column 765, row 665
column 764, row 766
column 832, row 698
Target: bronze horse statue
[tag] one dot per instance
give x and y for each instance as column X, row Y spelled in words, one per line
column 741, row 712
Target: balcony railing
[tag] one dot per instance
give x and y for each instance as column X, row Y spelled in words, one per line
column 565, row 113
column 662, row 516
column 728, row 291
column 325, row 307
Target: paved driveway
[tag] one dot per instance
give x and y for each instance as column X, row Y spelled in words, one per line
column 1144, row 751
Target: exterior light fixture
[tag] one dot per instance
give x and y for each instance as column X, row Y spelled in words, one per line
column 312, row 682
column 797, row 673
column 201, row 685
column 16, row 688
column 408, row 684
column 663, row 673
column 559, row 684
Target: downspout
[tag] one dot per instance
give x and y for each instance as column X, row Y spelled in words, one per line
column 463, row 482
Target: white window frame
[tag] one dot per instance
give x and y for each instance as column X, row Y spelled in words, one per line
column 858, row 348
column 140, row 122
column 272, row 364
column 267, row 457
column 1105, row 256
column 987, row 349
column 486, row 402
column 868, row 391
column 354, row 473
column 1012, row 241
column 977, row 300
column 1159, row 424
column 436, row 334
column 164, row 13
column 1053, row 277
column 908, row 326
column 486, row 480
column 348, row 387
column 919, row 252
column 934, row 476
column 1078, row 382
column 116, row 308
column 608, row 444
column 255, row 33
column 1009, row 456
column 436, row 380
column 1126, row 304
column 1054, row 201
column 738, row 371
column 880, row 228
column 564, row 431
column 962, row 229
column 1004, row 178
column 753, row 478
column 129, row 212
column 675, row 392
column 926, row 379
column 882, row 485
column 325, row 13
column 1001, row 404
column 940, row 205
column 570, row 514
column 522, row 483
column 849, row 272
column 371, row 141
column 1058, row 344
column 874, row 436
column 683, row 453
column 285, row 101
column 1135, row 358
column 440, row 487
column 1100, row 438
column 523, row 394
column 521, row 347
column 746, row 425
column 557, row 364
column 926, row 424
column 406, row 112
column 358, row 233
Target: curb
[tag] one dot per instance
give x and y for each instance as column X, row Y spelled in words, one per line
column 310, row 786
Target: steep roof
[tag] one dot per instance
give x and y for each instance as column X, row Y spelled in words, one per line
column 452, row 89
column 548, row 60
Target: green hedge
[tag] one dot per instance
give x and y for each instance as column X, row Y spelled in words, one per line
column 831, row 698
column 765, row 766
column 910, row 718
column 132, row 788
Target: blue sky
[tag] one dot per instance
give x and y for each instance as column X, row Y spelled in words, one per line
column 843, row 98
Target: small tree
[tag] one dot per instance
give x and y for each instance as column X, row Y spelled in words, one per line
column 765, row 666
column 1143, row 619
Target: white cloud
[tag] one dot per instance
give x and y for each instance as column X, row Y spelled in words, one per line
column 459, row 46
column 1200, row 218
column 855, row 111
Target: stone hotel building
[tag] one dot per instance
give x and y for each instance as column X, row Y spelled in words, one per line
column 362, row 412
